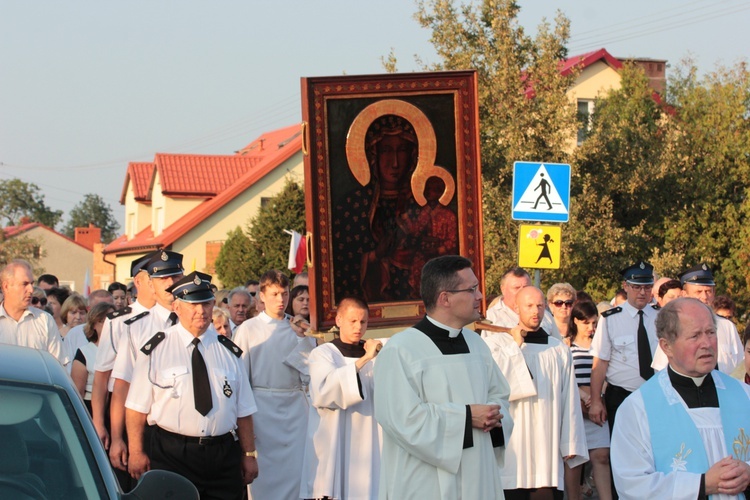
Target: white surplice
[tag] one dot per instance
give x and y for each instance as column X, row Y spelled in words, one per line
column 276, row 359
column 421, row 405
column 546, row 412
column 633, row 460
column 342, row 452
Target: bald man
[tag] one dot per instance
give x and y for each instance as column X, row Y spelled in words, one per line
column 543, row 403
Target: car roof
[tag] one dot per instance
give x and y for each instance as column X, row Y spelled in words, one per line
column 25, row 364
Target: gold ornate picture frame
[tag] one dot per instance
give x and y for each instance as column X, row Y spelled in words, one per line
column 392, row 178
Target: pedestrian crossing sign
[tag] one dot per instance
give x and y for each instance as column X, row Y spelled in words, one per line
column 541, row 191
column 539, row 246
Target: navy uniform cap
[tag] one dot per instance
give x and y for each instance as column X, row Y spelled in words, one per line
column 195, row 287
column 698, row 275
column 640, row 273
column 164, row 263
column 139, row 264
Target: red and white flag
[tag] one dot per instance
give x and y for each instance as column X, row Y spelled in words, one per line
column 297, row 252
column 87, row 285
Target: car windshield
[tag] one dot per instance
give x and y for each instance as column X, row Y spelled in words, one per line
column 44, row 452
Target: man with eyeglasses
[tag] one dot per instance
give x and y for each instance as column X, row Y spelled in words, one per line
column 624, row 345
column 698, row 283
column 23, row 325
column 544, row 403
column 442, row 402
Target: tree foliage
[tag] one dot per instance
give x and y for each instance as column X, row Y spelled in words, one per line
column 92, row 210
column 19, row 199
column 233, row 265
column 524, row 112
column 20, row 247
column 663, row 178
column 265, row 245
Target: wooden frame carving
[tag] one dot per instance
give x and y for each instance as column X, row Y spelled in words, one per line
column 392, row 178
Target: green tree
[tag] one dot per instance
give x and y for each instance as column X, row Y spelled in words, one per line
column 270, row 244
column 21, row 247
column 709, row 144
column 20, row 199
column 233, row 266
column 618, row 180
column 265, row 245
column 92, row 210
column 523, row 108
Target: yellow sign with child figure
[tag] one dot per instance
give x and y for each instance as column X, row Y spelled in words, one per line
column 539, row 246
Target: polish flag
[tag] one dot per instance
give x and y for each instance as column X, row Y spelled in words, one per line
column 87, row 285
column 297, row 252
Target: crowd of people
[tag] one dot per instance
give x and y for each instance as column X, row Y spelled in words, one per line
column 646, row 395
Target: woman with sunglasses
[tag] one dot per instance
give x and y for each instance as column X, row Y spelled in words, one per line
column 560, row 298
column 39, row 299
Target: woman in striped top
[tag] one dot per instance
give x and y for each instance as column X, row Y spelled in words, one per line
column 583, row 319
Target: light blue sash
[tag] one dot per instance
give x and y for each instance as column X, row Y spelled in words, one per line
column 675, row 441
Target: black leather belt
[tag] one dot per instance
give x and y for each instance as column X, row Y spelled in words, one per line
column 201, row 440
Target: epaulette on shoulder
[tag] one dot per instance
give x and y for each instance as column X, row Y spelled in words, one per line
column 230, row 345
column 655, row 307
column 154, row 341
column 610, row 312
column 135, row 318
column 119, row 312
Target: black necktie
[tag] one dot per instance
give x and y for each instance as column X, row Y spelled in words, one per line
column 172, row 319
column 201, row 386
column 644, row 350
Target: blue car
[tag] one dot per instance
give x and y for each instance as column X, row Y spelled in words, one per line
column 48, row 446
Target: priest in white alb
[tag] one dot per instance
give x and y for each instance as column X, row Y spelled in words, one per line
column 684, row 434
column 441, row 400
column 544, row 404
column 342, row 451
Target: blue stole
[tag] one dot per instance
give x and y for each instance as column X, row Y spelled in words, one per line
column 675, row 440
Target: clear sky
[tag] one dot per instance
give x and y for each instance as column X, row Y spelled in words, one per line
column 88, row 85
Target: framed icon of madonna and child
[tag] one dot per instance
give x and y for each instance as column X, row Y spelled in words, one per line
column 392, row 179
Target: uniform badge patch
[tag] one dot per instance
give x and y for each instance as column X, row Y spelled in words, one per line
column 227, row 389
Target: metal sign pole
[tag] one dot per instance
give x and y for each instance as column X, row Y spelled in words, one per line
column 537, row 278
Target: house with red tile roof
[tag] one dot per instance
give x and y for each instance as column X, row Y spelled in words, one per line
column 598, row 73
column 188, row 203
column 68, row 259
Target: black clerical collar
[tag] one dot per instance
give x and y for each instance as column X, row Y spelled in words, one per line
column 349, row 350
column 537, row 337
column 702, row 396
column 442, row 339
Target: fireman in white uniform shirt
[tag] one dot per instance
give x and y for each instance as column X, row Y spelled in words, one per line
column 118, row 326
column 698, row 283
column 164, row 269
column 192, row 386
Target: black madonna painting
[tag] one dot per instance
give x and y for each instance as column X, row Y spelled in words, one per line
column 391, row 181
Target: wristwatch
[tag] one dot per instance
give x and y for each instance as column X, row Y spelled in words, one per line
column 253, row 454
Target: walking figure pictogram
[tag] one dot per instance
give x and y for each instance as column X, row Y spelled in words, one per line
column 544, row 186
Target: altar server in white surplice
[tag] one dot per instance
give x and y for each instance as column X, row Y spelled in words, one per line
column 548, row 424
column 684, row 434
column 275, row 353
column 342, row 452
column 440, row 399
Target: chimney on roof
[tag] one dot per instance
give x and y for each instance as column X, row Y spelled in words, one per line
column 262, row 141
column 88, row 236
column 24, row 220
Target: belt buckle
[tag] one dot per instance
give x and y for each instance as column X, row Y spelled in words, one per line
column 204, row 440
